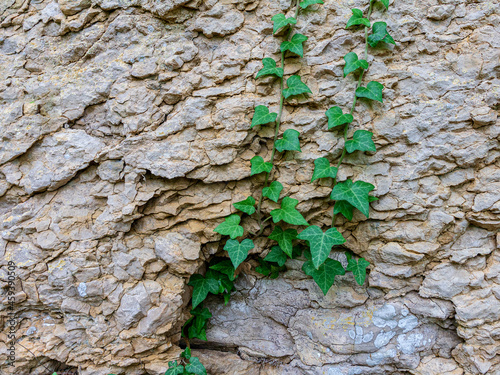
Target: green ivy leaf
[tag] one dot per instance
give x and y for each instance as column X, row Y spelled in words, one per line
column 276, row 255
column 246, row 205
column 336, row 117
column 195, row 333
column 280, row 21
column 354, row 193
column 357, row 19
column 262, row 116
column 304, row 4
column 320, row 242
column 358, row 269
column 264, row 268
column 380, row 34
column 323, row 169
column 386, row 3
column 352, row 63
column 325, row 274
column 344, row 208
column 284, row 239
column 230, row 227
column 362, row 141
column 275, row 271
column 295, row 87
column 294, row 45
column 237, row 251
column 196, row 367
column 225, row 267
column 273, row 191
column 288, row 213
column 269, row 269
column 173, row 368
column 373, row 91
column 259, row 166
column 289, row 142
column 197, row 326
column 269, row 68
column 225, row 285
column 297, row 251
column 201, row 287
column 186, row 353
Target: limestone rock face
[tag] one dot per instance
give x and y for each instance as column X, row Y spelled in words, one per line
column 126, row 138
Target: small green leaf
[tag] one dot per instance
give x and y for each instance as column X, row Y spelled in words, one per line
column 280, row 21
column 294, row 45
column 284, row 239
column 379, row 34
column 289, row 142
column 197, row 333
column 295, row 87
column 273, row 191
column 362, row 141
column 195, row 367
column 186, row 353
column 358, row 269
column 225, row 267
column 352, row 63
column 201, row 287
column 297, row 251
column 336, row 117
column 344, row 208
column 320, row 242
column 269, row 68
column 323, row 169
column 230, row 227
column 276, row 255
column 225, row 285
column 259, row 166
column 197, row 326
column 373, row 91
column 325, row 274
column 288, row 213
column 269, row 269
column 357, row 19
column 262, row 116
column 354, row 193
column 173, row 369
column 247, row 205
column 264, row 268
column 304, row 4
column 237, row 251
column 386, row 3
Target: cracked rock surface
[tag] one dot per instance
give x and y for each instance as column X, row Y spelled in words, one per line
column 126, row 138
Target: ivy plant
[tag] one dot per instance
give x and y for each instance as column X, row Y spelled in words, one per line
column 291, row 234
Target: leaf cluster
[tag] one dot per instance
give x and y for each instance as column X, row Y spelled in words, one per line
column 191, row 365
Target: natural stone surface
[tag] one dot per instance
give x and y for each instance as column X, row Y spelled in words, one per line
column 126, row 138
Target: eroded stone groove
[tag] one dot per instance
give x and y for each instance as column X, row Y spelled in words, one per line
column 126, row 138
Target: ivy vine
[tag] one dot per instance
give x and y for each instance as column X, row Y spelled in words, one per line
column 347, row 195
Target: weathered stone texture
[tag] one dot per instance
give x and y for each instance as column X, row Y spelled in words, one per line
column 126, row 138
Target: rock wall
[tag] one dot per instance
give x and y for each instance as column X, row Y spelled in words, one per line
column 126, row 138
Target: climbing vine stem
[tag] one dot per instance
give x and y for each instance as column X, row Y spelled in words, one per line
column 278, row 122
column 354, row 100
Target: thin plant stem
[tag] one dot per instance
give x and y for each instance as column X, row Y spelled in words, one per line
column 358, row 84
column 278, row 122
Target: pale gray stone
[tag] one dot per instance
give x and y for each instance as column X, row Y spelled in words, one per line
column 219, row 21
column 134, row 305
